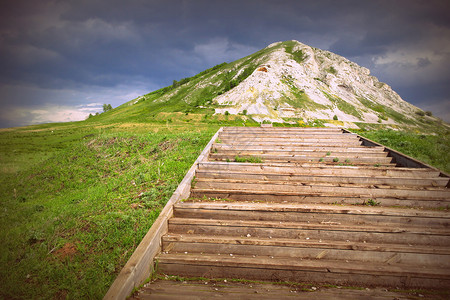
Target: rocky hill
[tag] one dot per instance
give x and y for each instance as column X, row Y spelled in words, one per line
column 287, row 82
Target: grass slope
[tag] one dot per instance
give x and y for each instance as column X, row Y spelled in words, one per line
column 431, row 149
column 76, row 200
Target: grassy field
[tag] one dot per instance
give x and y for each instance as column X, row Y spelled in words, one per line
column 77, row 198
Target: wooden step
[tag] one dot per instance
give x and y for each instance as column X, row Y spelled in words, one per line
column 304, row 270
column 281, row 129
column 333, row 187
column 321, row 214
column 288, row 147
column 320, row 169
column 307, row 249
column 324, row 190
column 281, row 135
column 172, row 288
column 331, row 179
column 307, row 158
column 285, row 197
column 291, row 141
column 299, row 152
column 420, row 254
column 308, row 231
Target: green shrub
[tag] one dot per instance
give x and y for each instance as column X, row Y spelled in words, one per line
column 372, row 202
column 420, row 113
column 331, row 70
column 335, row 117
column 298, row 55
column 106, row 107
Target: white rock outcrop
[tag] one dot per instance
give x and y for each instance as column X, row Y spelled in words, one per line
column 321, row 85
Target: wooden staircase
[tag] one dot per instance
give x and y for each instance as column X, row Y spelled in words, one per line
column 310, row 205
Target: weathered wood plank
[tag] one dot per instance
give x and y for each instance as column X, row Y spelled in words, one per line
column 312, row 234
column 282, row 135
column 318, row 209
column 324, row 226
column 324, row 271
column 300, row 152
column 253, row 196
column 381, row 256
column 323, row 190
column 349, row 160
column 291, row 141
column 322, row 217
column 288, row 147
column 224, row 289
column 319, row 169
column 322, row 244
column 266, row 176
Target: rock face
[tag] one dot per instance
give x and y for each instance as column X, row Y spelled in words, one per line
column 295, row 81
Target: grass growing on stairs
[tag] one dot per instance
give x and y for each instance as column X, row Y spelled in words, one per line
column 249, row 159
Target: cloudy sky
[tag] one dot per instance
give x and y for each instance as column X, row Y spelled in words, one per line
column 61, row 60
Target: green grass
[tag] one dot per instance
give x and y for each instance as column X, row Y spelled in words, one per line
column 431, row 149
column 384, row 113
column 249, row 159
column 297, row 97
column 343, row 105
column 298, row 55
column 372, row 202
column 77, row 199
column 331, row 70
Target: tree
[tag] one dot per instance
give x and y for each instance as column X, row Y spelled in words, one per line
column 106, row 107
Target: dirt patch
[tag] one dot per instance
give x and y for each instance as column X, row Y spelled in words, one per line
column 61, row 294
column 67, row 251
column 168, row 145
column 136, row 206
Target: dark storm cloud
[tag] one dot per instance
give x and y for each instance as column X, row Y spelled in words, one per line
column 136, row 46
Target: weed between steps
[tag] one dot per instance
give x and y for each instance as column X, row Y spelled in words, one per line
column 250, row 159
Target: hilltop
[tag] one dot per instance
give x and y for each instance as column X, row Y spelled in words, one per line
column 286, row 82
